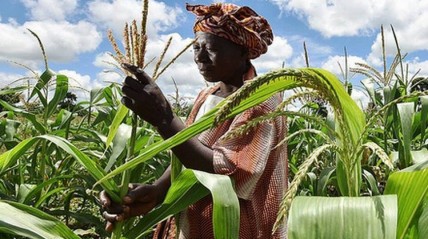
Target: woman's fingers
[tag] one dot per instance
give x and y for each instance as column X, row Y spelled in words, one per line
column 137, row 72
column 132, row 91
column 132, row 83
column 109, row 216
column 128, row 102
column 137, row 194
column 109, row 207
column 105, row 199
column 109, row 226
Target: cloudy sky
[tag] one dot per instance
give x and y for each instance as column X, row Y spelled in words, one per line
column 74, row 36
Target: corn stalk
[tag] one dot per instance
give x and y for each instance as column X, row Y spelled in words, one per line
column 135, row 47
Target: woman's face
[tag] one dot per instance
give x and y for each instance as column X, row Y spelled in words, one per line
column 219, row 59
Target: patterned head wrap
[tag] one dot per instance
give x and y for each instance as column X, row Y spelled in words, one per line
column 240, row 25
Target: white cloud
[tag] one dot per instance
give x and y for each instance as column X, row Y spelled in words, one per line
column 50, row 9
column 279, row 52
column 336, row 65
column 416, row 65
column 334, row 18
column 65, row 40
column 316, row 52
column 297, row 61
column 410, row 38
column 62, row 41
column 114, row 14
column 360, row 97
column 10, row 79
column 80, row 84
column 104, row 60
column 106, row 77
column 353, row 17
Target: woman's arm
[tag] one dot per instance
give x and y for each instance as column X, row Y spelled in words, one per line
column 144, row 97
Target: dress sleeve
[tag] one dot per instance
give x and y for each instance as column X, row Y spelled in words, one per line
column 244, row 157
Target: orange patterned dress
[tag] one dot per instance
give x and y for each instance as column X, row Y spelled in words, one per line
column 257, row 166
column 258, row 169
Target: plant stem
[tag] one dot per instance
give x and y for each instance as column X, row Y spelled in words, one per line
column 117, row 232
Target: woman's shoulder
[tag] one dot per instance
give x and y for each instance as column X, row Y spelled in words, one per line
column 270, row 104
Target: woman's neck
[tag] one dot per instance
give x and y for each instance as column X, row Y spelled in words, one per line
column 225, row 90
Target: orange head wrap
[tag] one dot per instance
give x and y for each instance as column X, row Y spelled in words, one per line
column 240, row 25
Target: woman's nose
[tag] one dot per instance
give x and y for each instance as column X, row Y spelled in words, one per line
column 201, row 55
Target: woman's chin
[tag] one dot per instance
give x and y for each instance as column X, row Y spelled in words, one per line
column 209, row 79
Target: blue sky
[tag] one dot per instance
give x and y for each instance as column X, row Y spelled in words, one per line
column 74, row 35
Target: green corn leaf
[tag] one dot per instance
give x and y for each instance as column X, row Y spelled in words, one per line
column 184, row 191
column 406, row 111
column 423, row 220
column 11, row 127
column 343, row 217
column 28, row 116
column 120, row 142
column 225, row 204
column 411, row 188
column 368, row 84
column 109, row 96
column 189, row 187
column 101, row 117
column 121, row 113
column 39, row 187
column 23, row 191
column 62, row 118
column 325, row 177
column 91, row 166
column 419, row 156
column 48, row 194
column 43, row 80
column 95, row 95
column 14, row 90
column 9, row 158
column 424, row 118
column 26, row 221
column 388, row 94
column 176, row 167
column 61, row 90
column 372, row 183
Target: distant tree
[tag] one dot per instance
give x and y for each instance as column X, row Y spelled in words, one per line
column 11, row 98
column 419, row 84
column 69, row 102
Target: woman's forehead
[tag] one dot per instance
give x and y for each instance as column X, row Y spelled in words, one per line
column 208, row 38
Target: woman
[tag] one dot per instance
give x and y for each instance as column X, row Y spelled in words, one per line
column 227, row 38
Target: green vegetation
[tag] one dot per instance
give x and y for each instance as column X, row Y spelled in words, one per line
column 58, row 153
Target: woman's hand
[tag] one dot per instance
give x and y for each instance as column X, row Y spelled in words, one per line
column 141, row 199
column 143, row 96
